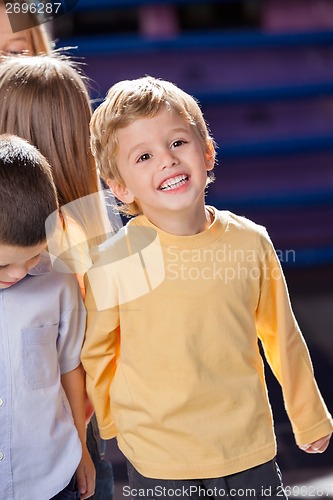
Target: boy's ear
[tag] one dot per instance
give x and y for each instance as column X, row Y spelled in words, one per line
column 120, row 191
column 210, row 155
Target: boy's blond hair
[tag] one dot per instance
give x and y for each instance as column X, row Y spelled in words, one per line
column 129, row 100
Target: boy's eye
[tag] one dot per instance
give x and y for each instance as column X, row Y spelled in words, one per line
column 36, row 257
column 178, row 143
column 144, row 157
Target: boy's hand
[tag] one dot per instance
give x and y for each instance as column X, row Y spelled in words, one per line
column 85, row 476
column 317, row 446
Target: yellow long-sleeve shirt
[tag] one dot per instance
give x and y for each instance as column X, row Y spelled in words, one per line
column 174, row 371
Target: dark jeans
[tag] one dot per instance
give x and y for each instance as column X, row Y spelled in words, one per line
column 104, row 473
column 69, row 493
column 259, row 482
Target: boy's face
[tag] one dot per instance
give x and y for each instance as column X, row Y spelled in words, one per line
column 163, row 165
column 16, row 262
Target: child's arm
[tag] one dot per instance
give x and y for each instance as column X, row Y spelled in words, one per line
column 73, row 384
column 288, row 356
column 99, row 358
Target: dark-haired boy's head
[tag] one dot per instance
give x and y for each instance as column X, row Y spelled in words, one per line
column 27, row 193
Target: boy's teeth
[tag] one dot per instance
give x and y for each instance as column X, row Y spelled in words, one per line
column 173, row 183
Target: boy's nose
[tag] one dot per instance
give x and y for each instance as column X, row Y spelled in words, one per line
column 168, row 160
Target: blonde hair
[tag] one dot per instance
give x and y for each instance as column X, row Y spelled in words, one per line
column 44, row 100
column 129, row 100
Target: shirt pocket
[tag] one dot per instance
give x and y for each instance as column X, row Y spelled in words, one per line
column 40, row 356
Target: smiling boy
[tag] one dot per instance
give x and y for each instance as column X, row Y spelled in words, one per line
column 176, row 373
column 171, row 197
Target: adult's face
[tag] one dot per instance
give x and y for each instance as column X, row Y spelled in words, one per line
column 11, row 43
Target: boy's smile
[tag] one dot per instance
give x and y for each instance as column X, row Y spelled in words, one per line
column 16, row 262
column 174, row 183
column 164, row 168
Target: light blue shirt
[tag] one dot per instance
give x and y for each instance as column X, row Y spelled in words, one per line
column 42, row 322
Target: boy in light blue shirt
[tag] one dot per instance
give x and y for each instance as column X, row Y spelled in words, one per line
column 42, row 319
